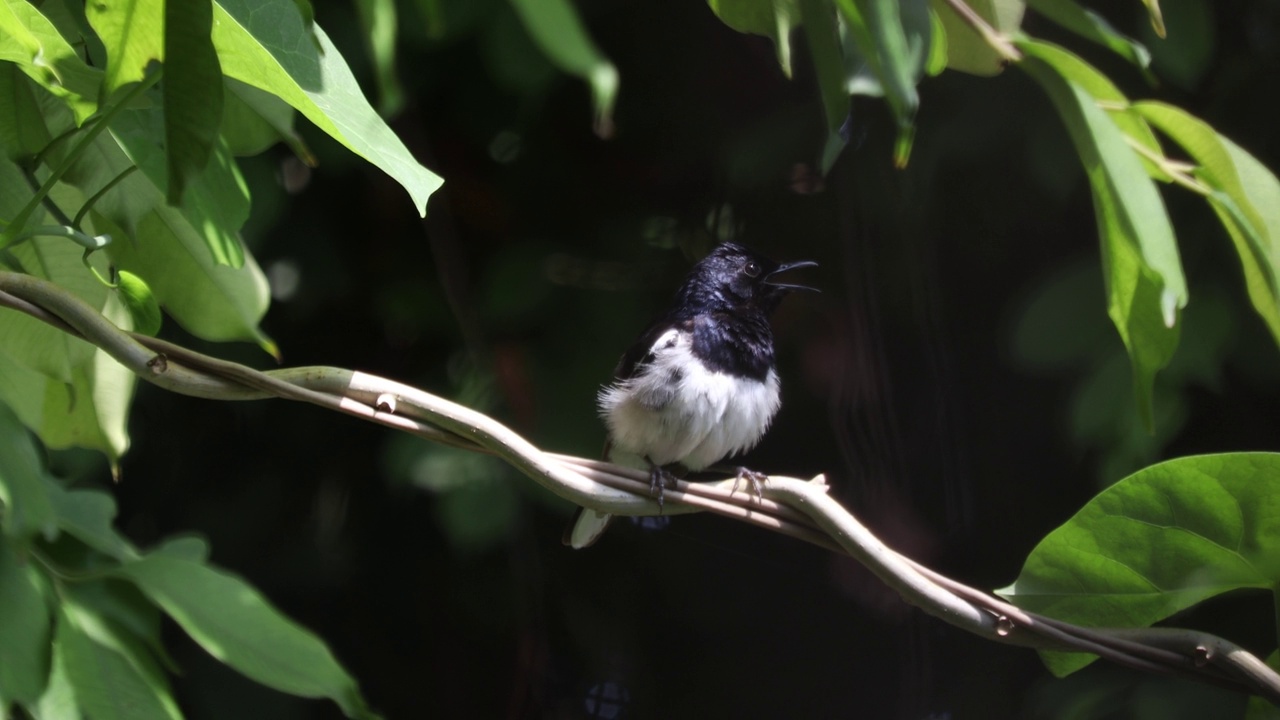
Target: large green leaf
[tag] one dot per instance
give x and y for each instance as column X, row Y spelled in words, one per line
column 27, row 507
column 28, row 39
column 555, row 27
column 1145, row 283
column 192, row 92
column 967, row 50
column 1245, row 195
column 1157, row 542
column 266, row 44
column 112, row 675
column 24, row 630
column 235, row 624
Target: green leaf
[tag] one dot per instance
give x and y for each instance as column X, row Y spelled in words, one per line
column 879, row 32
column 774, row 19
column 824, row 47
column 379, row 19
column 1092, row 26
column 140, row 302
column 87, row 516
column 1246, row 197
column 192, row 91
column 59, row 699
column 133, row 33
column 90, row 409
column 236, row 625
column 112, row 675
column 26, row 340
column 265, row 43
column 555, row 27
column 22, row 130
column 28, row 39
column 24, row 630
column 27, row 507
column 1145, row 284
column 1157, row 542
column 254, row 120
column 967, row 51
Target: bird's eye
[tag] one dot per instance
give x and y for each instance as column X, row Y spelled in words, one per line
column 752, row 268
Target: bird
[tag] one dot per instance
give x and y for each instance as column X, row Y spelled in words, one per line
column 701, row 383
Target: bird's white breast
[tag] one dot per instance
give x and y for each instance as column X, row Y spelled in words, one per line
column 677, row 410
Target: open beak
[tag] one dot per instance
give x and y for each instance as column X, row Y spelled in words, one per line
column 768, row 279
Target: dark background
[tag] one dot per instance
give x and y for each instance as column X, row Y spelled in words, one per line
column 958, row 380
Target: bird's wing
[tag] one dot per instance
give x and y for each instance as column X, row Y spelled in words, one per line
column 642, row 351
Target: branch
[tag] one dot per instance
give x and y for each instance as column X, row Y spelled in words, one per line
column 799, row 508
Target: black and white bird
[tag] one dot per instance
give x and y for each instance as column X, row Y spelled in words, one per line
column 701, row 383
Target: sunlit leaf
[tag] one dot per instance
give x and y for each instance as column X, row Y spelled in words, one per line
column 266, row 44
column 112, row 674
column 28, row 39
column 967, row 50
column 1145, row 283
column 141, row 303
column 1246, row 198
column 133, row 33
column 1157, row 542
column 236, row 625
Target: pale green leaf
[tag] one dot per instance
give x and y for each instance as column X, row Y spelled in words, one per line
column 1145, row 283
column 967, row 50
column 236, row 625
column 28, row 39
column 133, row 33
column 265, row 43
column 1246, row 196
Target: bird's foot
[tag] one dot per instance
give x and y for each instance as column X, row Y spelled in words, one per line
column 660, row 478
column 755, row 477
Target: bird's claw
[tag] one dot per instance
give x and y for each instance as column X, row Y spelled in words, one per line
column 755, row 478
column 659, row 479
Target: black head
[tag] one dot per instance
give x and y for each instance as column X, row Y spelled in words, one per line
column 732, row 277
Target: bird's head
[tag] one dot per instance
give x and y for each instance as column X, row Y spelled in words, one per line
column 741, row 279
